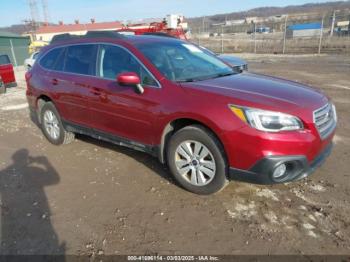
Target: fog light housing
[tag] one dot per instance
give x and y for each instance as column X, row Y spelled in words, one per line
column 279, row 171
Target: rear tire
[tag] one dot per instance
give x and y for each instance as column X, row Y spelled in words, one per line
column 52, row 127
column 197, row 160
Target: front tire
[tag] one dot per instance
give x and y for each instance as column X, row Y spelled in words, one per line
column 51, row 126
column 197, row 160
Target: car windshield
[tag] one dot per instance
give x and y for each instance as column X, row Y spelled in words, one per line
column 184, row 62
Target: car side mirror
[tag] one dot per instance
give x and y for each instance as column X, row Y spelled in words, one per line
column 130, row 79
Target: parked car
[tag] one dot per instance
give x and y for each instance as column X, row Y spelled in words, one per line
column 236, row 63
column 29, row 62
column 169, row 98
column 6, row 72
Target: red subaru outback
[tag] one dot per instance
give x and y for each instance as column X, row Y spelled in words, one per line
column 173, row 100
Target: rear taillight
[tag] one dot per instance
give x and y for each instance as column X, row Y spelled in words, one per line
column 28, row 76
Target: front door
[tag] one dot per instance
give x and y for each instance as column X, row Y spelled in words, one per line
column 119, row 110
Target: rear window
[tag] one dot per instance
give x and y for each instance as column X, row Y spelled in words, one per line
column 81, row 59
column 4, row 60
column 49, row 60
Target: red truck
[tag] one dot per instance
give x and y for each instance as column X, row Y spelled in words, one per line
column 7, row 74
column 172, row 25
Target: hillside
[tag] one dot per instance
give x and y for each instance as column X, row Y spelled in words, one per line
column 196, row 23
column 320, row 8
column 17, row 29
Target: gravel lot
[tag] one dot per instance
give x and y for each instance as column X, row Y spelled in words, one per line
column 91, row 197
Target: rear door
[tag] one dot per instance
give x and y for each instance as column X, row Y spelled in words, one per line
column 6, row 70
column 71, row 78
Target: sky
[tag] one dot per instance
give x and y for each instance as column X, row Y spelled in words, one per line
column 15, row 11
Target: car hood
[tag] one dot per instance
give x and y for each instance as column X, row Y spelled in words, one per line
column 265, row 92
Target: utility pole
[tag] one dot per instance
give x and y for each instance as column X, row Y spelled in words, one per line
column 321, row 35
column 13, row 54
column 222, row 39
column 254, row 37
column 199, row 34
column 349, row 28
column 333, row 22
column 34, row 12
column 45, row 7
column 285, row 34
column 203, row 24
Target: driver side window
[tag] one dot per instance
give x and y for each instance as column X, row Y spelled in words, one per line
column 115, row 60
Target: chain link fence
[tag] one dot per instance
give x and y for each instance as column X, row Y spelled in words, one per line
column 287, row 34
column 17, row 50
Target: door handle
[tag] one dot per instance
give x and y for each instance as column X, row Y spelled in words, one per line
column 54, row 81
column 95, row 91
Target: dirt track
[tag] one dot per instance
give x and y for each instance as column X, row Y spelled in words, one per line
column 92, row 197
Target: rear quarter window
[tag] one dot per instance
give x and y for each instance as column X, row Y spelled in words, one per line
column 35, row 56
column 49, row 60
column 4, row 60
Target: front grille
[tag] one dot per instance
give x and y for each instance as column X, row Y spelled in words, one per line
column 325, row 120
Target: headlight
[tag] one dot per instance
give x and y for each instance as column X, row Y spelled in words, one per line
column 268, row 121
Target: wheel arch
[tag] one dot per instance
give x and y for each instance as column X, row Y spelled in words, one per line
column 177, row 124
column 41, row 100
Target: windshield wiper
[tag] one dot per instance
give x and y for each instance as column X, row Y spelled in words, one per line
column 192, row 79
column 185, row 80
column 205, row 77
column 224, row 74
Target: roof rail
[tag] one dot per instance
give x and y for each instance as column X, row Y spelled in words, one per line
column 96, row 34
column 63, row 37
column 159, row 34
column 89, row 34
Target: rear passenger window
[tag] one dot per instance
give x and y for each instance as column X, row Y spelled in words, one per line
column 115, row 60
column 81, row 59
column 49, row 60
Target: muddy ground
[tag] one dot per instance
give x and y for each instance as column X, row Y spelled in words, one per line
column 90, row 197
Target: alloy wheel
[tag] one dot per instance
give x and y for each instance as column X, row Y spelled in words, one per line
column 51, row 124
column 195, row 163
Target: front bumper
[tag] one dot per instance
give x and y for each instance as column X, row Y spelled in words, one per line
column 297, row 168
